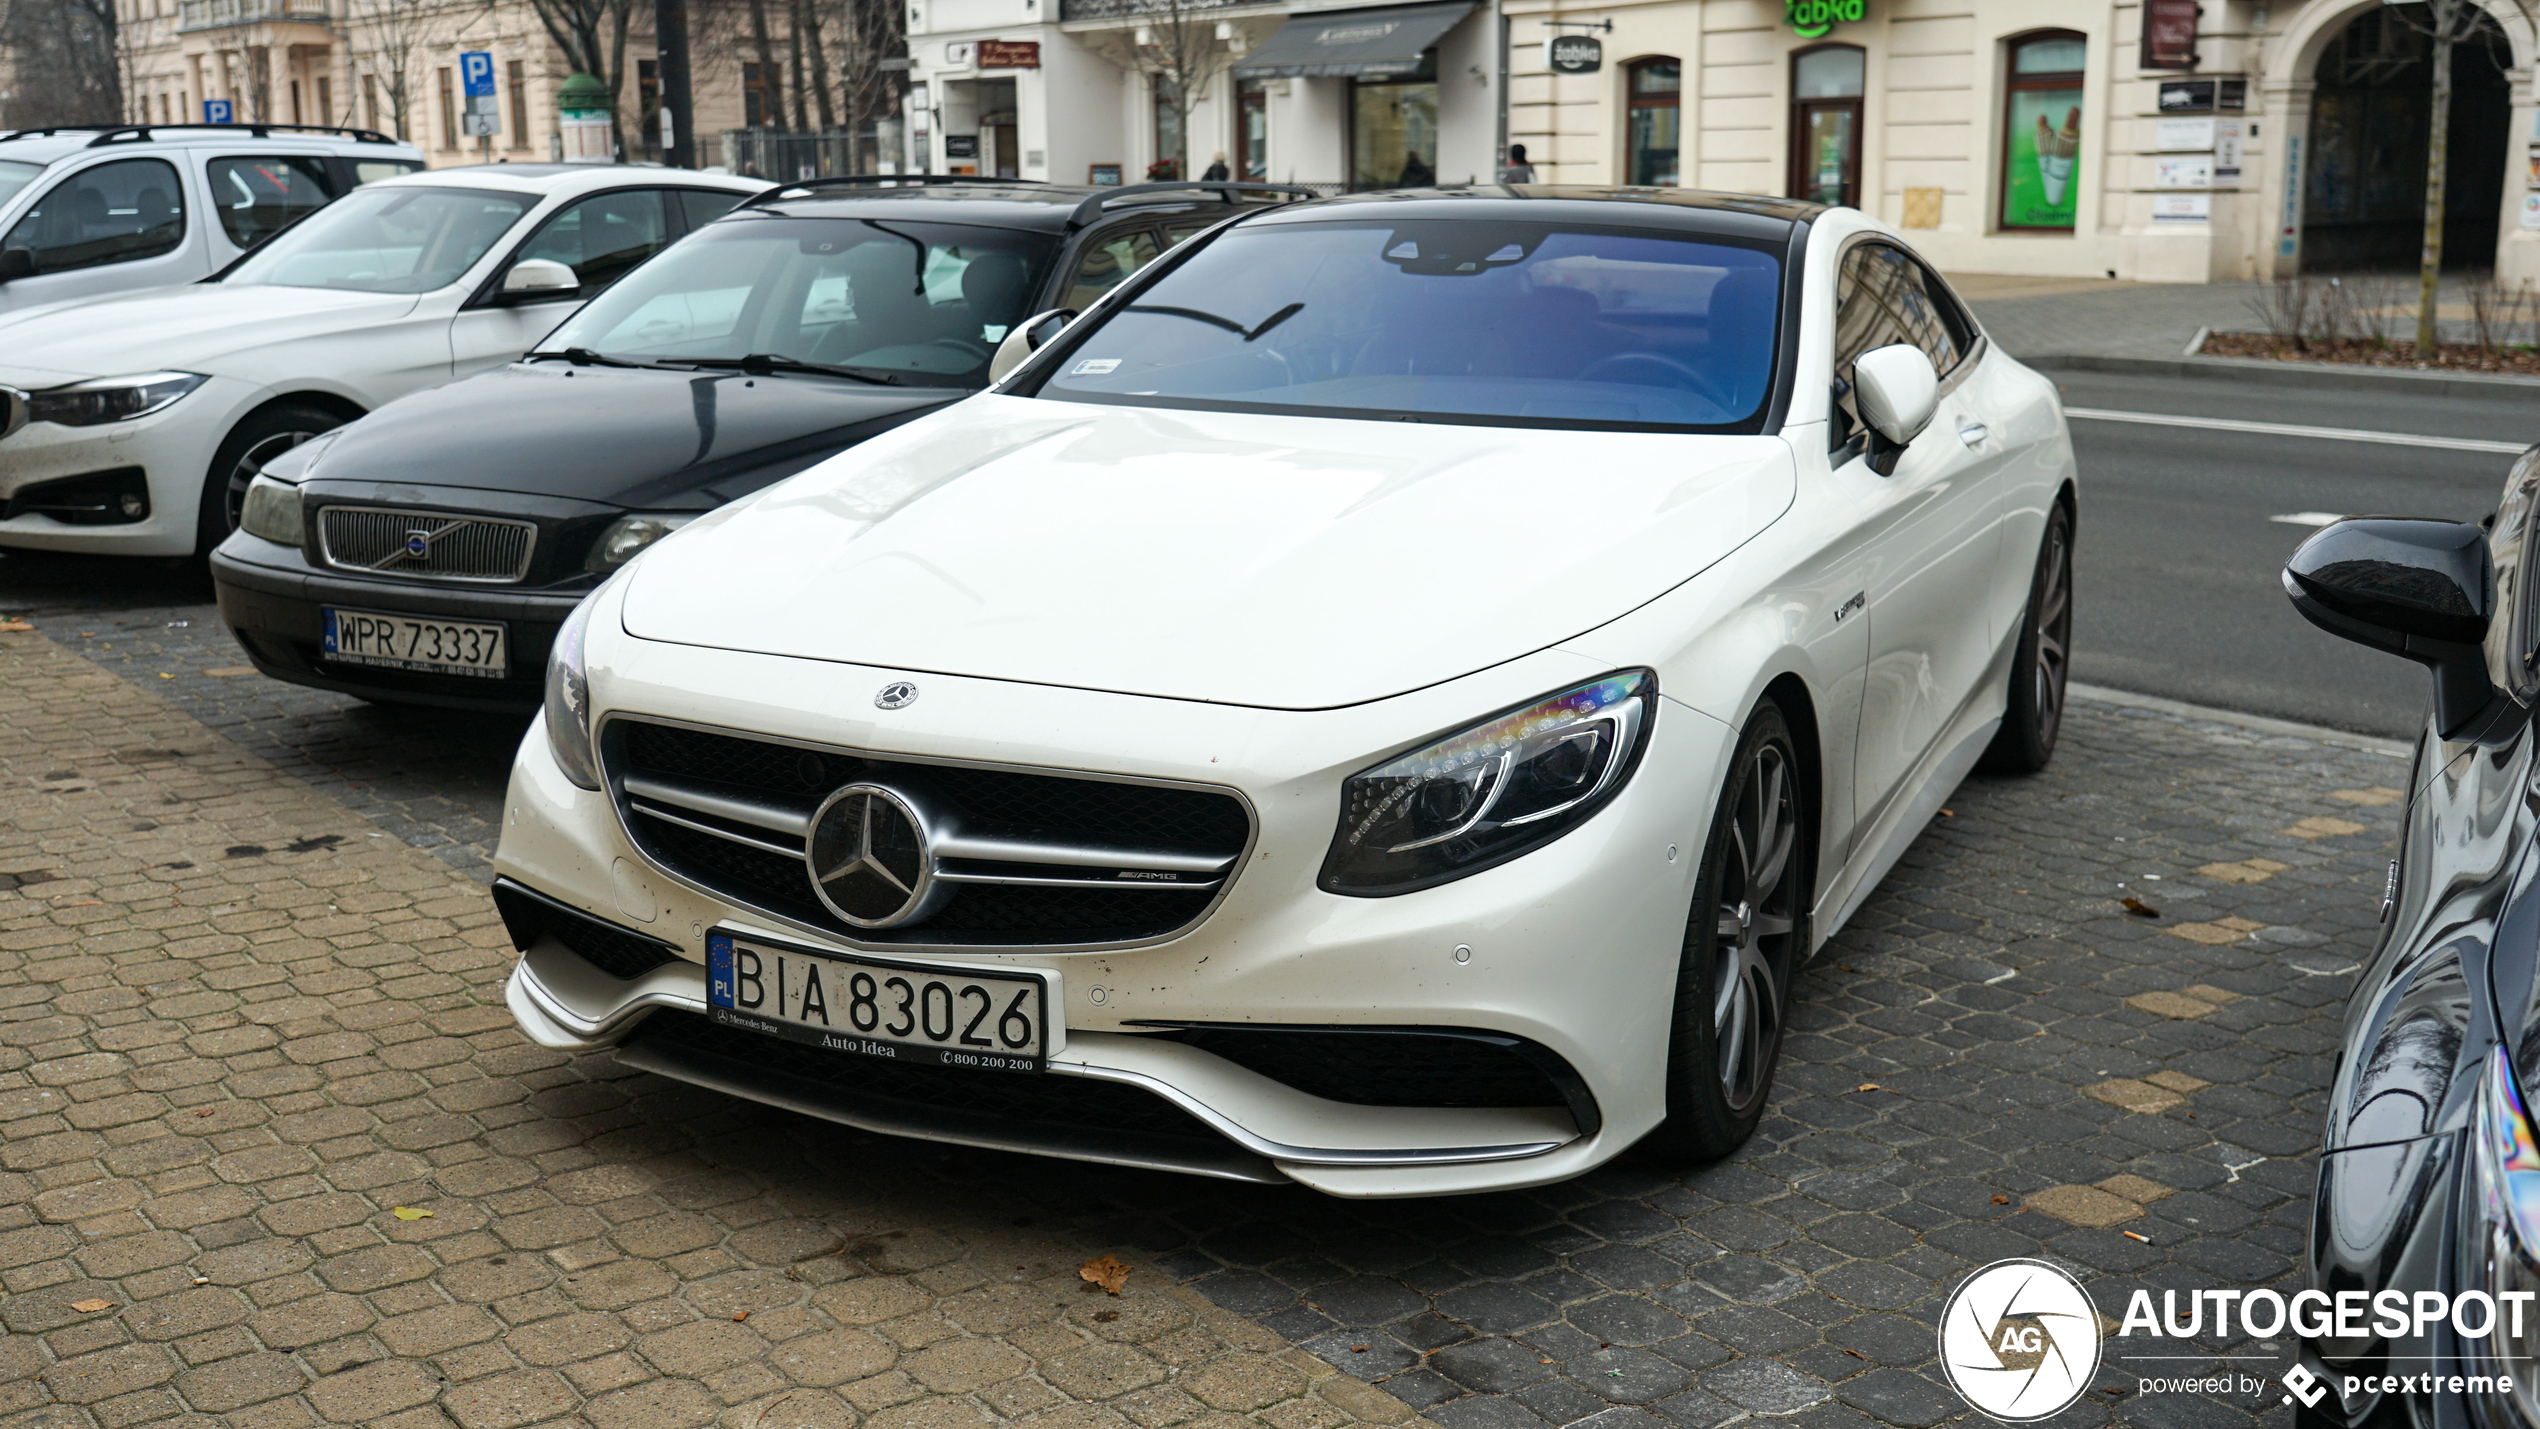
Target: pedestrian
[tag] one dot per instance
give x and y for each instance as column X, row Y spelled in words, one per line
column 1517, row 170
column 1415, row 174
column 1216, row 168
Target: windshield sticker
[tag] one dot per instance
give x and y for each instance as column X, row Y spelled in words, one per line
column 1094, row 367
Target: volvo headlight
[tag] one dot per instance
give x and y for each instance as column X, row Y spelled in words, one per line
column 1485, row 795
column 626, row 536
column 2500, row 1235
column 569, row 699
column 110, row 399
column 272, row 510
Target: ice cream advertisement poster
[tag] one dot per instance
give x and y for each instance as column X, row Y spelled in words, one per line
column 2043, row 185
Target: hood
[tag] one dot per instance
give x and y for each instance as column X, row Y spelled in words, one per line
column 628, row 437
column 1272, row 561
column 188, row 327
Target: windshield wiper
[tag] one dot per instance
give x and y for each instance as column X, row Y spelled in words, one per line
column 1229, row 324
column 760, row 364
column 584, row 357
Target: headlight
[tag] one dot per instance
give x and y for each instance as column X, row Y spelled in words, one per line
column 626, row 536
column 1504, row 787
column 110, row 399
column 272, row 511
column 569, row 699
column 2500, row 1230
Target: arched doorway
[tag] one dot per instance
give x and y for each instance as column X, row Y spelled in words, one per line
column 2363, row 189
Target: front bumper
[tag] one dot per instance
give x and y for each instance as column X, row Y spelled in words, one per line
column 171, row 449
column 271, row 598
column 1574, row 947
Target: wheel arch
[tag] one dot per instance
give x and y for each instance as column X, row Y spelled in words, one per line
column 1799, row 710
column 344, row 408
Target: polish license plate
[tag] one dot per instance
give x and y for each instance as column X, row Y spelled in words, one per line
column 902, row 1011
column 417, row 642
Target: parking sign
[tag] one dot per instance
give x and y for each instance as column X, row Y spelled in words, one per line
column 476, row 73
column 216, row 111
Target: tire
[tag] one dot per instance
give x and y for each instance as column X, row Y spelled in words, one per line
column 263, row 436
column 1742, row 942
column 2042, row 665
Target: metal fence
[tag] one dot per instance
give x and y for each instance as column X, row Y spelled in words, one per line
column 781, row 155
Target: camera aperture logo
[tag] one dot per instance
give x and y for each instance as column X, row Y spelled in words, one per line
column 2019, row 1340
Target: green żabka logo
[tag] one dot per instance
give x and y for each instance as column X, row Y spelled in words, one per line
column 1812, row 18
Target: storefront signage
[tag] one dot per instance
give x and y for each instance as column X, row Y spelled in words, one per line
column 2189, row 135
column 1009, row 54
column 1812, row 18
column 2169, row 34
column 2193, row 96
column 961, row 146
column 959, row 53
column 1577, row 54
column 2227, row 137
column 2192, row 173
column 2182, row 208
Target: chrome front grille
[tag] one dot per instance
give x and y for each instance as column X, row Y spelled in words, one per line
column 426, row 545
column 1032, row 859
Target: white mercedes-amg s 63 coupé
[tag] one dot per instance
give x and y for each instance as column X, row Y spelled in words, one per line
column 1387, row 698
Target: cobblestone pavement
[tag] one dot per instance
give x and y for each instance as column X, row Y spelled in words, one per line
column 271, row 1155
column 1996, row 1059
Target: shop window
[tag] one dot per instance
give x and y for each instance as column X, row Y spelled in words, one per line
column 1252, row 130
column 758, row 98
column 449, row 112
column 2041, row 132
column 1825, row 124
column 1655, row 91
column 1168, row 131
column 1393, row 129
column 516, row 82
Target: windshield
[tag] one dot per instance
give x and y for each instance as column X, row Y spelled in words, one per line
column 1526, row 324
column 14, row 176
column 914, row 301
column 386, row 240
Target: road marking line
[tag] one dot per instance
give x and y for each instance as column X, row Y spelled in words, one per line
column 2284, row 429
column 2307, row 518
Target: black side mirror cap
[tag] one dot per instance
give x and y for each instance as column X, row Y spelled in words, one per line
column 17, row 263
column 2421, row 590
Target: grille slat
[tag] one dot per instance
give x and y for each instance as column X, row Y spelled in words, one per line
column 991, row 802
column 479, row 549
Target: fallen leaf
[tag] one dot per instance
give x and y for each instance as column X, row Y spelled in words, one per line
column 1949, row 813
column 1856, row 1354
column 1869, row 1087
column 2001, row 1200
column 207, row 1111
column 15, row 625
column 202, row 1280
column 1107, row 1271
column 409, row 1213
column 2141, row 909
column 2130, row 1235
column 91, row 1307
column 740, row 1317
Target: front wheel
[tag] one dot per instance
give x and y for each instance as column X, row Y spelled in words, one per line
column 2042, row 664
column 241, row 459
column 1742, row 943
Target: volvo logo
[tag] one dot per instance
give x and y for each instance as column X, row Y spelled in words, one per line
column 872, row 860
column 897, row 695
column 418, row 543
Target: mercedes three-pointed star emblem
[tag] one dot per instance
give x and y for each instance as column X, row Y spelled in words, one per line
column 871, row 860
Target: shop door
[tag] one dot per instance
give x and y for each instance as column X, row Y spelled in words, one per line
column 1825, row 124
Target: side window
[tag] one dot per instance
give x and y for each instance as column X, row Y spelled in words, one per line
column 371, row 171
column 109, row 213
column 1174, row 233
column 1882, row 298
column 703, row 206
column 1110, row 260
column 603, row 236
column 256, row 198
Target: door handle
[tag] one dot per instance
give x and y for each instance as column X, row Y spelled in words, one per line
column 1972, row 434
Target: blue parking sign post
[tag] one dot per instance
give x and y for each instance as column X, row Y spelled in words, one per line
column 476, row 76
column 217, row 111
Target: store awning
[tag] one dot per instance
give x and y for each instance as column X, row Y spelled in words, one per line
column 1353, row 42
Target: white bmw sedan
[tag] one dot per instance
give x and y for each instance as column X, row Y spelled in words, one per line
column 1386, row 699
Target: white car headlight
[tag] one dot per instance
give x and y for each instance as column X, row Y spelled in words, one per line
column 2500, row 1229
column 569, row 699
column 1484, row 795
column 628, row 535
column 272, row 510
column 110, row 399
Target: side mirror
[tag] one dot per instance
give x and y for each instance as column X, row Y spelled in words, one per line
column 539, row 278
column 1897, row 391
column 2421, row 590
column 17, row 263
column 1029, row 336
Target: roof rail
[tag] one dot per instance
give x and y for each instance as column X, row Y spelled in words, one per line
column 797, row 188
column 143, row 133
column 1227, row 190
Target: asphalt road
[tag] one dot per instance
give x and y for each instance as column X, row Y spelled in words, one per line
column 2179, row 552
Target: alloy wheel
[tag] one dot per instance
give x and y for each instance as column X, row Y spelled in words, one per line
column 1756, row 915
column 2054, row 631
column 251, row 464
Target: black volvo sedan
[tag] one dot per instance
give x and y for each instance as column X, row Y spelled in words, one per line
column 2429, row 1175
column 428, row 552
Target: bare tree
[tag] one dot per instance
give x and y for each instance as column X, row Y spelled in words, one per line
column 1176, row 42
column 2448, row 24
column 392, row 33
column 592, row 34
column 65, row 61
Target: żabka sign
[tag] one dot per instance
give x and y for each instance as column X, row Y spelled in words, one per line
column 1812, row 18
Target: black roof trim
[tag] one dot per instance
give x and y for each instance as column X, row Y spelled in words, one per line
column 805, row 188
column 1224, row 190
column 1788, row 210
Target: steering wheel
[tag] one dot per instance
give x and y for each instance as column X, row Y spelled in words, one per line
column 1673, row 373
